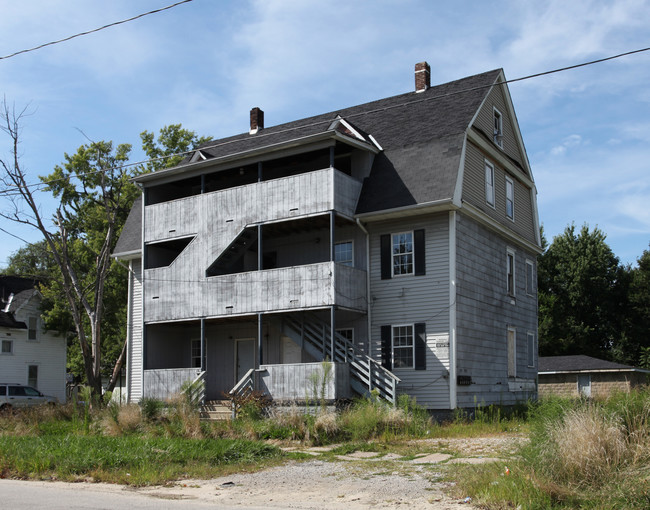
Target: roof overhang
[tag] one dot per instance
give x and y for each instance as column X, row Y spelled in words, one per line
column 446, row 204
column 596, row 371
column 261, row 153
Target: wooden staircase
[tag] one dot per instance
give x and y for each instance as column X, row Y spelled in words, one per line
column 214, row 410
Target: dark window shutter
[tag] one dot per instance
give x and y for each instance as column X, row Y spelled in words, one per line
column 386, row 259
column 420, row 346
column 418, row 248
column 386, row 348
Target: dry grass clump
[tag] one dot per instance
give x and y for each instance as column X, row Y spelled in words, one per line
column 588, row 445
column 184, row 418
column 327, row 423
column 129, row 417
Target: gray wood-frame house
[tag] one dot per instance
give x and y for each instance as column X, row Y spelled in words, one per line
column 397, row 238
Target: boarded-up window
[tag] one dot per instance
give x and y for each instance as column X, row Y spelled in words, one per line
column 512, row 352
column 510, row 271
column 32, row 331
column 531, row 349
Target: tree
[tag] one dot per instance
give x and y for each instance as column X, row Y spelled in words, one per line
column 172, row 145
column 582, row 295
column 86, row 288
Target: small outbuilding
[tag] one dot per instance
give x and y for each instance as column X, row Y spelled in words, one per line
column 580, row 375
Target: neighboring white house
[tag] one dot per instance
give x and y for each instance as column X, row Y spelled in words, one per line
column 397, row 238
column 28, row 354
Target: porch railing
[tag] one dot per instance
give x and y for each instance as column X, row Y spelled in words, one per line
column 163, row 383
column 366, row 374
column 195, row 390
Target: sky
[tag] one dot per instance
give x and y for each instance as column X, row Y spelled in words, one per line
column 206, row 63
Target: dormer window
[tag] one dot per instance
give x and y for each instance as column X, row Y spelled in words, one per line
column 498, row 128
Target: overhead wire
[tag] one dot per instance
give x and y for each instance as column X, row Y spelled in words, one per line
column 80, row 34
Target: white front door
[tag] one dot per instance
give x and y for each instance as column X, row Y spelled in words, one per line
column 244, row 357
column 584, row 385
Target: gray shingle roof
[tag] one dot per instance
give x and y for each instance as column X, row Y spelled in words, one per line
column 577, row 363
column 421, row 133
column 130, row 239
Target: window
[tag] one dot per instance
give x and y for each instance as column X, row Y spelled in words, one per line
column 347, row 333
column 510, row 198
column 196, row 353
column 403, row 348
column 510, row 273
column 498, row 128
column 32, row 375
column 402, row 253
column 489, row 183
column 512, row 352
column 343, row 253
column 7, row 347
column 530, row 274
column 32, row 325
column 531, row 348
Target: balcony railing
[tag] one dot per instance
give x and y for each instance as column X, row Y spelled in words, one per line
column 291, row 288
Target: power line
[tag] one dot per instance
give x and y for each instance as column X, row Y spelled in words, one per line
column 327, row 121
column 94, row 30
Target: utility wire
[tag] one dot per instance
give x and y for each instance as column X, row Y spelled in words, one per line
column 8, row 192
column 94, row 30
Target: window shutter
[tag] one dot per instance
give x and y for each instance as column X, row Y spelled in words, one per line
column 385, row 257
column 386, row 348
column 420, row 346
column 418, row 249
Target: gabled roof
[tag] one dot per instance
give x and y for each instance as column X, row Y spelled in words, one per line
column 15, row 290
column 417, row 138
column 130, row 241
column 581, row 363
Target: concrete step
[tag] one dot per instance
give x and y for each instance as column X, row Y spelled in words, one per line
column 216, row 410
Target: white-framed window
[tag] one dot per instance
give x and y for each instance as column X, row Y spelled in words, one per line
column 530, row 345
column 196, row 353
column 344, row 253
column 498, row 128
column 32, row 376
column 510, row 272
column 402, row 253
column 403, row 346
column 489, row 183
column 512, row 351
column 530, row 277
column 7, row 347
column 510, row 198
column 32, row 331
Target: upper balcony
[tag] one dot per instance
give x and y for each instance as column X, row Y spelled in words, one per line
column 233, row 208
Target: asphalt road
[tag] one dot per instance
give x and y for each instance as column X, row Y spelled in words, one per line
column 28, row 495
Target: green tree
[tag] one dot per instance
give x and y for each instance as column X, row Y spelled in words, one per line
column 172, row 145
column 85, row 289
column 582, row 295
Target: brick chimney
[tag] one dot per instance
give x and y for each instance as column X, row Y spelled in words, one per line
column 257, row 120
column 422, row 77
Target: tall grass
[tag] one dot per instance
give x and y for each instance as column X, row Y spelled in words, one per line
column 582, row 454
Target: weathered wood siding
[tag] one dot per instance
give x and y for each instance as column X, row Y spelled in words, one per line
column 474, row 193
column 47, row 352
column 484, row 311
column 414, row 299
column 135, row 361
column 305, row 381
column 165, row 383
column 485, row 122
column 288, row 288
column 181, row 290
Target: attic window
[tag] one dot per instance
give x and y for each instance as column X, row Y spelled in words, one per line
column 164, row 253
column 498, row 128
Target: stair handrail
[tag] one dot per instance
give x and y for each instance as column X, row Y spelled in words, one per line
column 195, row 390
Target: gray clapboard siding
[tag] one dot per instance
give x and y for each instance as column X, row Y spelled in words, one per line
column 484, row 312
column 135, row 362
column 410, row 299
column 474, row 193
column 485, row 122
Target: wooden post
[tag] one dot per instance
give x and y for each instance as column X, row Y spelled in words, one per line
column 259, row 172
column 203, row 360
column 333, row 331
column 332, row 156
column 260, row 353
column 259, row 248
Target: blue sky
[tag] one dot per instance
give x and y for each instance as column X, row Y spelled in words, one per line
column 205, row 64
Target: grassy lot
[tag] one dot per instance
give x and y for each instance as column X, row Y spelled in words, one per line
column 581, row 454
